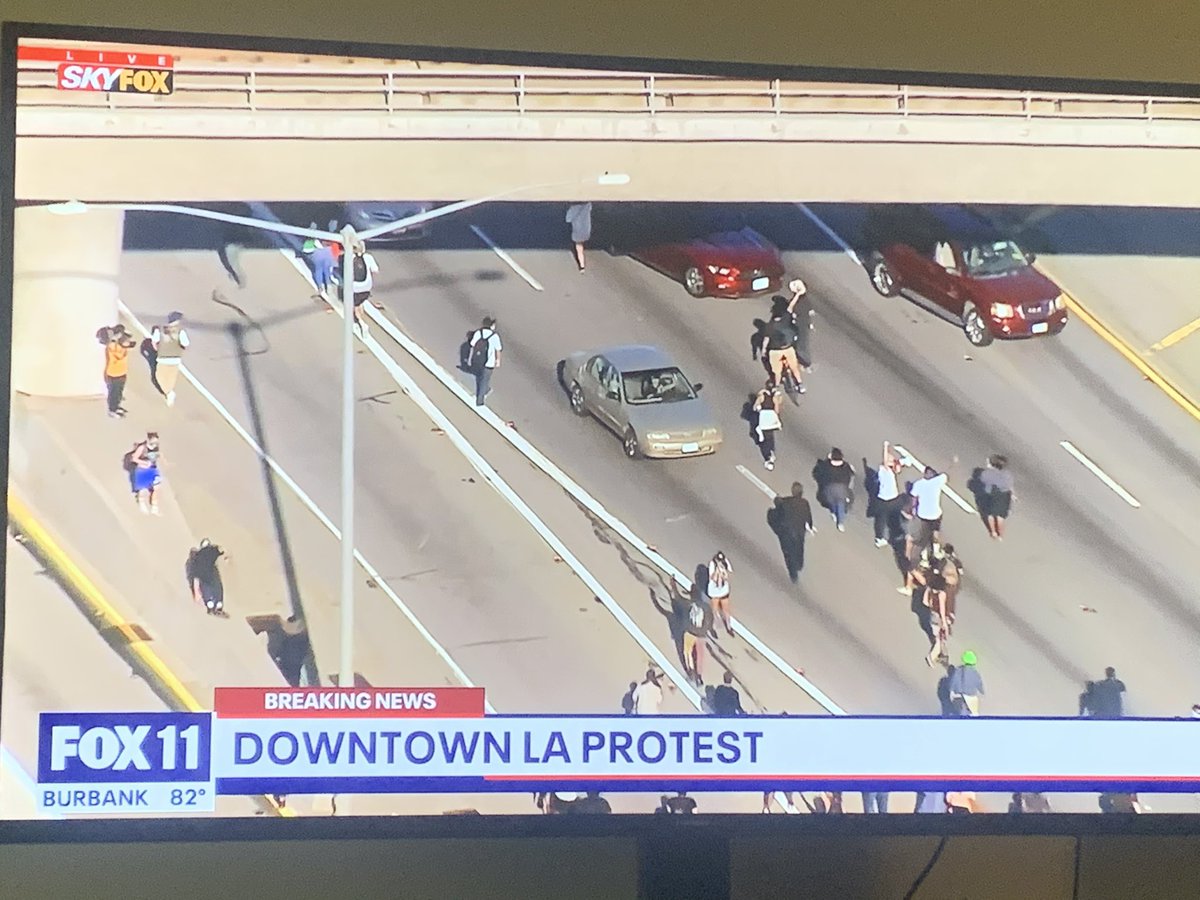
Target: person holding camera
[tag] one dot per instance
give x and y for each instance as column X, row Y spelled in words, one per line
column 116, row 367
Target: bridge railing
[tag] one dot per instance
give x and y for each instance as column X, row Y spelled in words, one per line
column 412, row 89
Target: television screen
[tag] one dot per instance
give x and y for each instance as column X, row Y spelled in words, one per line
column 697, row 441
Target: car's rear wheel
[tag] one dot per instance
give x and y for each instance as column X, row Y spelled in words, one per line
column 693, row 281
column 630, row 443
column 881, row 277
column 578, row 406
column 974, row 326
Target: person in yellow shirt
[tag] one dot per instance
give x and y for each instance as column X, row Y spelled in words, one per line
column 116, row 367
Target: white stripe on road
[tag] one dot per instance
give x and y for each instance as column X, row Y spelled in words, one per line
column 757, row 482
column 12, row 765
column 1099, row 473
column 492, row 477
column 508, row 260
column 313, row 508
column 910, row 460
column 830, row 233
column 539, row 459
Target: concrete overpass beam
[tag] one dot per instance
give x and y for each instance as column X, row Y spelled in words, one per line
column 65, row 278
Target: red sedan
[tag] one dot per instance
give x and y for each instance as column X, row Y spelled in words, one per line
column 711, row 258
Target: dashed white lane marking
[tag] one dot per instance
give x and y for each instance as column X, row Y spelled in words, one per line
column 508, row 260
column 757, row 482
column 909, row 460
column 1101, row 474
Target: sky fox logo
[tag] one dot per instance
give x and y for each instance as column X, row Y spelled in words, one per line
column 115, row 79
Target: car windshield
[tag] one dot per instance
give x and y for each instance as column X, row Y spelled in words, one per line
column 656, row 386
column 994, row 258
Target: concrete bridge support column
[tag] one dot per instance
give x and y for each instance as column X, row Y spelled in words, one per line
column 65, row 279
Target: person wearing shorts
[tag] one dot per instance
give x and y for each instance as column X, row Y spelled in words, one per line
column 996, row 495
column 146, row 458
column 697, row 623
column 719, row 570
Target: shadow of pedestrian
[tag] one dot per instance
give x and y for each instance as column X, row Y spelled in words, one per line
column 975, row 486
column 751, row 418
column 560, row 370
column 150, row 355
column 288, row 645
column 870, row 487
column 675, row 613
column 921, row 611
column 949, row 709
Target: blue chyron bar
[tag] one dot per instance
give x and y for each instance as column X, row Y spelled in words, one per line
column 179, row 762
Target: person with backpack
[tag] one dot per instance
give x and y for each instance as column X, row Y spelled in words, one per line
column 778, row 338
column 363, row 268
column 207, row 588
column 144, row 459
column 169, row 341
column 719, row 570
column 486, row 348
column 697, row 621
column 118, row 343
column 766, row 410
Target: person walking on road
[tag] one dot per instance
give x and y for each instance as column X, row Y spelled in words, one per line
column 169, row 341
column 627, row 700
column 939, row 572
column 364, row 268
column 116, row 367
column 793, row 522
column 875, row 801
column 1103, row 699
column 996, row 483
column 146, row 459
column 927, row 492
column 205, row 577
column 778, row 337
column 726, row 701
column 579, row 217
column 648, row 697
column 486, row 349
column 719, row 570
column 966, row 684
column 697, row 623
column 888, row 498
column 322, row 260
column 766, row 408
column 835, row 485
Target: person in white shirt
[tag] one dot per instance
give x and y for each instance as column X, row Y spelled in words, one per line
column 485, row 352
column 926, row 521
column 719, row 570
column 648, row 697
column 169, row 342
column 888, row 498
column 363, row 267
column 766, row 423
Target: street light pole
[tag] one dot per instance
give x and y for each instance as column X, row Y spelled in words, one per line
column 346, row 665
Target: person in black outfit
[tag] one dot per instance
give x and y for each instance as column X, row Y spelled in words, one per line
column 1102, row 699
column 793, row 520
column 205, row 578
column 726, row 701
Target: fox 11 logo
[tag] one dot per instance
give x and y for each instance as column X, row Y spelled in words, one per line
column 77, row 748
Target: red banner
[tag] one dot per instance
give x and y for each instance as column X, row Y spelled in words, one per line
column 135, row 60
column 348, row 703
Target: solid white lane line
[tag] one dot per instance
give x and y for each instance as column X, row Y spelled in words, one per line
column 757, row 482
column 830, row 233
column 492, row 477
column 1100, row 473
column 508, row 260
column 313, row 508
column 910, row 460
column 9, row 763
column 539, row 459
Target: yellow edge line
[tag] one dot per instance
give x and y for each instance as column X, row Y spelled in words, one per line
column 32, row 530
column 1111, row 338
column 1177, row 335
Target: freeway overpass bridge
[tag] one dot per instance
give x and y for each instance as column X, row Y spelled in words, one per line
column 246, row 127
column 241, row 126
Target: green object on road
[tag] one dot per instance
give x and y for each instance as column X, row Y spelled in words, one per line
column 968, row 658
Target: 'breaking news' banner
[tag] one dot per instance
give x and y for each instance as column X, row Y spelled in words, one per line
column 438, row 740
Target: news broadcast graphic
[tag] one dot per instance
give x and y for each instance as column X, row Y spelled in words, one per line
column 125, row 763
column 434, row 740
